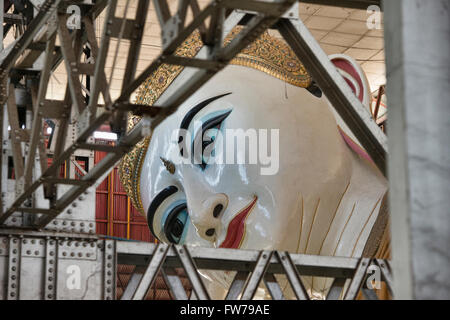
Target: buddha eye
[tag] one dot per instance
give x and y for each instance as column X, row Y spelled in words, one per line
column 175, row 224
column 207, row 137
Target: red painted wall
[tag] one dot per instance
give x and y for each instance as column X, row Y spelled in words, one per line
column 115, row 214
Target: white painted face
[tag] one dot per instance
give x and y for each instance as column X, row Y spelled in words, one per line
column 235, row 205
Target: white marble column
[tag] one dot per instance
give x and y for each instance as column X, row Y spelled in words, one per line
column 417, row 39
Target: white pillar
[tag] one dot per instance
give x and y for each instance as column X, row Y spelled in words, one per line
column 417, row 34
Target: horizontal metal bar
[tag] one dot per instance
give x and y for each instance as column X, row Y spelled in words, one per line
column 192, row 62
column 67, row 181
column 12, row 18
column 36, row 210
column 29, row 232
column 102, row 147
column 267, row 8
column 54, row 109
column 140, row 109
column 353, row 4
column 128, row 31
column 240, row 260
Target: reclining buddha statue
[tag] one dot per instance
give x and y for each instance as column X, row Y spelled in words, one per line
column 308, row 188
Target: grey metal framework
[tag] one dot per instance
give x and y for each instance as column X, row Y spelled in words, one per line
column 251, row 269
column 57, row 265
column 34, row 183
column 91, row 115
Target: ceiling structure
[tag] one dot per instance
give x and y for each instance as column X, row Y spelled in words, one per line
column 338, row 30
column 343, row 30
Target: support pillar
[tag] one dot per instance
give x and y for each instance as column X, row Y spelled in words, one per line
column 418, row 94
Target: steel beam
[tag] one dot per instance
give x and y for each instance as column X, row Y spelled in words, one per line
column 316, row 61
column 258, row 264
column 273, row 287
column 151, row 272
column 237, row 285
column 418, row 90
column 352, row 4
column 174, row 283
column 133, row 283
column 257, row 275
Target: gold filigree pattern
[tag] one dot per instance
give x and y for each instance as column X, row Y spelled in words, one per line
column 273, row 57
column 266, row 54
column 129, row 172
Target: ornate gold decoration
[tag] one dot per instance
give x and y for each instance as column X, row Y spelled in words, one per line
column 130, row 171
column 267, row 54
column 272, row 56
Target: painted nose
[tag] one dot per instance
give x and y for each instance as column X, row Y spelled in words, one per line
column 208, row 219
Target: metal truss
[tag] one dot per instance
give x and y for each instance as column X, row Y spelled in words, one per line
column 354, row 4
column 50, row 23
column 43, row 265
column 250, row 267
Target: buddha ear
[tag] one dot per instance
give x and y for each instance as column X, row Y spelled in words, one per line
column 355, row 77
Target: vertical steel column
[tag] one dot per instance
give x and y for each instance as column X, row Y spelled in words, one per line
column 50, row 271
column 110, row 262
column 418, row 91
column 2, row 9
column 13, row 282
column 2, row 88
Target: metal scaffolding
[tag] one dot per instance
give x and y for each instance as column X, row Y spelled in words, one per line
column 44, row 265
column 250, row 267
column 33, row 183
column 91, row 115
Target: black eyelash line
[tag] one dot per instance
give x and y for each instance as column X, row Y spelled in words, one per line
column 191, row 113
column 211, row 123
column 160, row 197
column 168, row 224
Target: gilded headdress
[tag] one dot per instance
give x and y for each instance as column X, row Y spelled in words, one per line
column 267, row 54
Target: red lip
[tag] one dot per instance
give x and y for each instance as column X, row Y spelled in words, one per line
column 236, row 228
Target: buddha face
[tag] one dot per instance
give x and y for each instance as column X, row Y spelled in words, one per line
column 284, row 201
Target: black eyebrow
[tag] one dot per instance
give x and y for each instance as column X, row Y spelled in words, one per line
column 157, row 200
column 191, row 113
